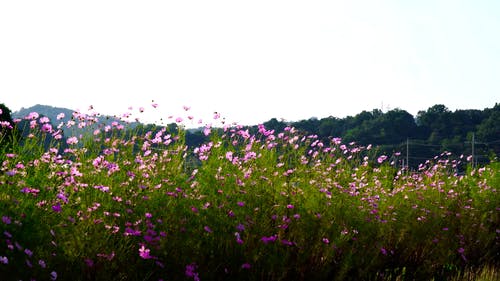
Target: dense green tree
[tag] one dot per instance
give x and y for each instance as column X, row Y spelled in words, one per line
column 464, row 121
column 6, row 126
column 489, row 130
column 274, row 124
column 310, row 125
column 434, row 122
column 332, row 127
column 392, row 127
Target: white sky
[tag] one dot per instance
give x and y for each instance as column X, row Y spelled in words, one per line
column 250, row 60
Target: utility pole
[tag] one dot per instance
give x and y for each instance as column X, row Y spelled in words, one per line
column 473, row 144
column 408, row 154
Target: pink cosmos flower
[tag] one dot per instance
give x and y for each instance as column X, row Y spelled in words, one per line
column 207, row 131
column 381, row 159
column 229, row 155
column 44, row 120
column 72, row 140
column 144, row 253
column 32, row 116
column 47, row 128
column 5, row 124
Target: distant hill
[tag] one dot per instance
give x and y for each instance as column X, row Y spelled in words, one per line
column 45, row 110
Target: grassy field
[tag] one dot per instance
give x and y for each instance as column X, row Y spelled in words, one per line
column 263, row 206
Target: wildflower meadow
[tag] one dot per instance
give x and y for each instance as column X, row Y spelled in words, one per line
column 118, row 203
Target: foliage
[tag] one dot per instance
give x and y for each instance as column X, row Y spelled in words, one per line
column 260, row 205
column 432, row 131
column 7, row 134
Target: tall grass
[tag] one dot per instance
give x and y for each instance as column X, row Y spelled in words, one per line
column 264, row 206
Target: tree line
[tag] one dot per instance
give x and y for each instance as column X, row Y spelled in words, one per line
column 426, row 135
column 431, row 132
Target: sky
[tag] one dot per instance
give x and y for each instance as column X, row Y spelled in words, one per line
column 250, row 60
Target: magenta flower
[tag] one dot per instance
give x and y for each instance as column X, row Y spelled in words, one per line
column 269, row 239
column 28, row 252
column 207, row 130
column 44, row 120
column 4, row 260
column 144, row 253
column 191, row 272
column 246, row 266
column 53, row 276
column 240, row 227
column 207, row 229
column 5, row 124
column 229, row 155
column 238, row 238
column 72, row 140
column 89, row 262
column 57, row 208
column 381, row 159
column 32, row 115
column 131, row 232
column 383, row 251
column 6, row 219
